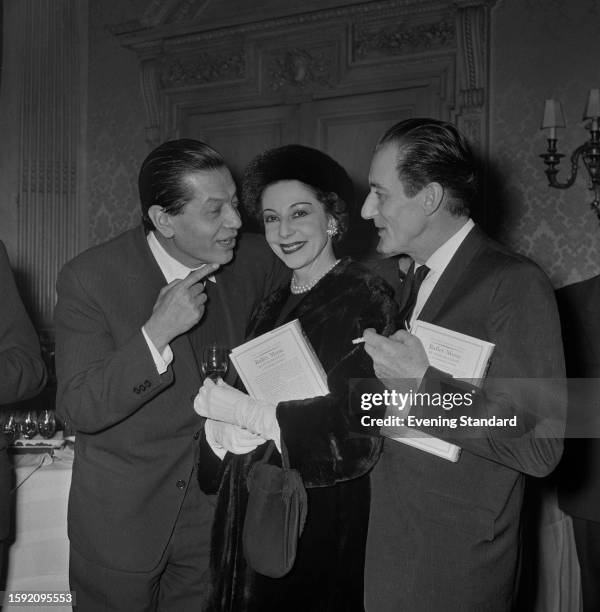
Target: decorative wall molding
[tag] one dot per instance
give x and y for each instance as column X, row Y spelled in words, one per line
column 323, row 51
column 51, row 218
column 473, row 28
column 301, row 69
column 203, row 68
column 135, row 34
column 473, row 24
column 403, row 38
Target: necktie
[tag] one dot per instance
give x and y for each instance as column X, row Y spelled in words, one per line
column 410, row 290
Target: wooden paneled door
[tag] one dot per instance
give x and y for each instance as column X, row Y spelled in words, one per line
column 345, row 127
column 333, row 77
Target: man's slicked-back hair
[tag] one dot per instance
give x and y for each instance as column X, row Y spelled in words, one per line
column 430, row 150
column 161, row 181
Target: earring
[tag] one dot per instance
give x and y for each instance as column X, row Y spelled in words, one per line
column 332, row 229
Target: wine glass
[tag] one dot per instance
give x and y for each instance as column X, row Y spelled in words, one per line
column 214, row 361
column 9, row 427
column 46, row 423
column 29, row 425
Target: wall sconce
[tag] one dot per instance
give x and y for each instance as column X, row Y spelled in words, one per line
column 589, row 151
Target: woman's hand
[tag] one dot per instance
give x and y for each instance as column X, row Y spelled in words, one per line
column 221, row 402
column 223, row 437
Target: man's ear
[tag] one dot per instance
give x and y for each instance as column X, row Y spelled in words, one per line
column 433, row 198
column 162, row 220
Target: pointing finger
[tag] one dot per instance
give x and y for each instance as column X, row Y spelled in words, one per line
column 197, row 275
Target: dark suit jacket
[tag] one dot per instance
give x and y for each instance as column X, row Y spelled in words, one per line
column 444, row 536
column 136, row 429
column 22, row 370
column 579, row 474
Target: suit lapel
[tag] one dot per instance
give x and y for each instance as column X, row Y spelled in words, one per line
column 454, row 272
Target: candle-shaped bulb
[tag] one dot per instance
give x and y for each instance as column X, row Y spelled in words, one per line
column 592, row 109
column 553, row 117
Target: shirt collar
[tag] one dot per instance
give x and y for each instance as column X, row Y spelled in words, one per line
column 440, row 258
column 169, row 266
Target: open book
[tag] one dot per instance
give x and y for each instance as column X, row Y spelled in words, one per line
column 280, row 365
column 457, row 354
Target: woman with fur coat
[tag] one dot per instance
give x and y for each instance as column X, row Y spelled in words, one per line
column 301, row 197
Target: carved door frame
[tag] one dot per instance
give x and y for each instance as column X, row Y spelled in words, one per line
column 314, row 55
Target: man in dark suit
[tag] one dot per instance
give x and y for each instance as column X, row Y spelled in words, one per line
column 443, row 535
column 579, row 472
column 22, row 375
column 132, row 318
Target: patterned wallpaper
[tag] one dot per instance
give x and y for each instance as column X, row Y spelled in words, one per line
column 543, row 49
column 116, row 144
column 540, row 49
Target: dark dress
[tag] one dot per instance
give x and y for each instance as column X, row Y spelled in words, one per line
column 333, row 461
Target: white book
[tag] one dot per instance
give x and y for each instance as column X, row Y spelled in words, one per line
column 459, row 355
column 280, row 365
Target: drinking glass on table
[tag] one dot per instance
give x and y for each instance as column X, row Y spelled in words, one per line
column 46, row 423
column 214, row 361
column 9, row 426
column 29, row 425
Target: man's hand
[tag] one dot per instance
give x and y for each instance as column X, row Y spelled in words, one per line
column 400, row 356
column 179, row 306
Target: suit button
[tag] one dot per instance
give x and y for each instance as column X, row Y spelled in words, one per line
column 196, row 435
column 180, row 484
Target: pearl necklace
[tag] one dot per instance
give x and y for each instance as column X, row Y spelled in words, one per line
column 297, row 288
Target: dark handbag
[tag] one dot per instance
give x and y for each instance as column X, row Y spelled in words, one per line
column 275, row 516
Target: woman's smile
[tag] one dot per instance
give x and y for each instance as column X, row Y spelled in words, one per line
column 292, row 247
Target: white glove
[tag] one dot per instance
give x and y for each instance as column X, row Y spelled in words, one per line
column 221, row 402
column 223, row 437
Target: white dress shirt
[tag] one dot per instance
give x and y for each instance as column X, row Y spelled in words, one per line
column 437, row 263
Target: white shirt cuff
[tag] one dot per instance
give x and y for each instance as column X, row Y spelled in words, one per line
column 163, row 361
column 216, row 448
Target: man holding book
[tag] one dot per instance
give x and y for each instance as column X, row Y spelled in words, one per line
column 444, row 534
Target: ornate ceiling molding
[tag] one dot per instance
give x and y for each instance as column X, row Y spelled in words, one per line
column 138, row 35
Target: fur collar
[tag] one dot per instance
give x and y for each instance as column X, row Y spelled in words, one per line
column 348, row 282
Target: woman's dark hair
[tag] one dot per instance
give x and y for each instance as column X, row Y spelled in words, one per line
column 429, row 150
column 328, row 181
column 162, row 181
